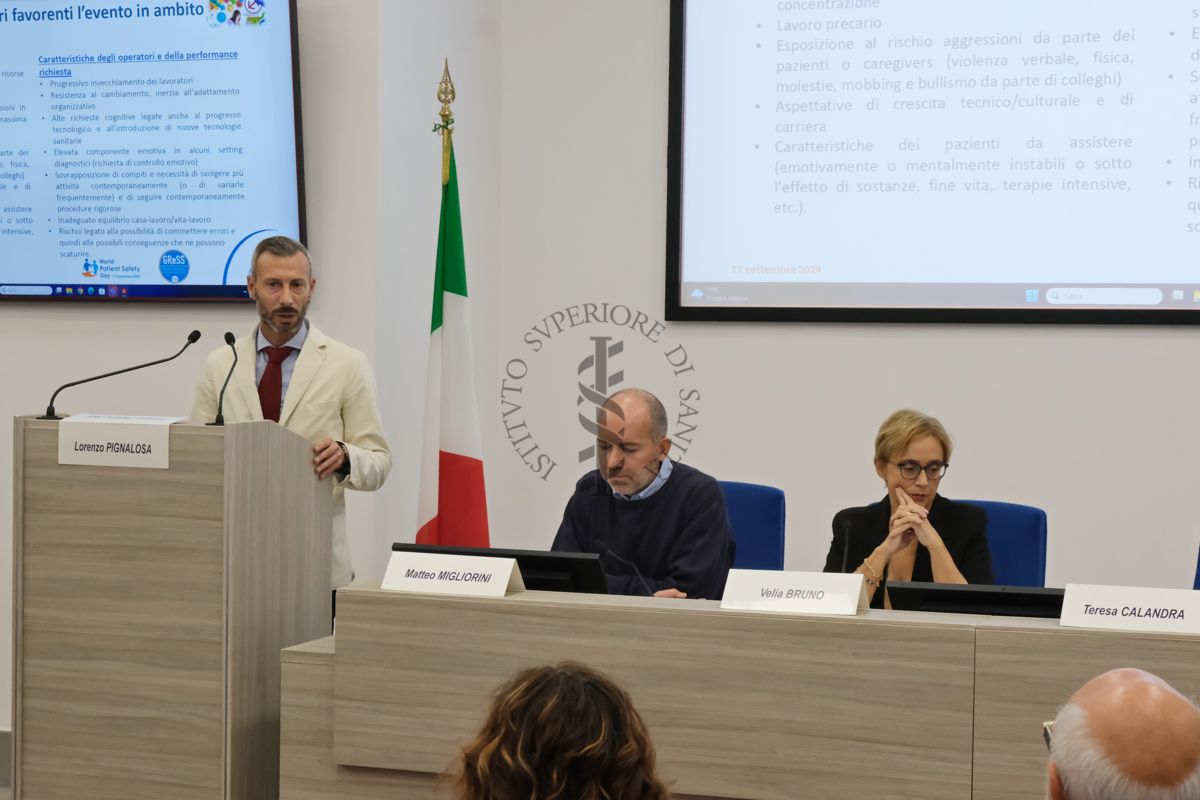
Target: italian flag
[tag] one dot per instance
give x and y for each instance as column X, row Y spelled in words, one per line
column 452, row 507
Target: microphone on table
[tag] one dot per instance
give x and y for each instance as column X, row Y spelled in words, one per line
column 192, row 338
column 220, row 420
column 845, row 544
column 604, row 549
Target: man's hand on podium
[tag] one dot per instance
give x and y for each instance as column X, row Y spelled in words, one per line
column 328, row 457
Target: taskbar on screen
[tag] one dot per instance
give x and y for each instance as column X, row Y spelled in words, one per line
column 108, row 292
column 952, row 296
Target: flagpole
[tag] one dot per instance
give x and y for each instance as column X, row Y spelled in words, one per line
column 445, row 96
column 452, row 501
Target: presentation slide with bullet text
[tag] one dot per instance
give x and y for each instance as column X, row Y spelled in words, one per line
column 882, row 155
column 145, row 147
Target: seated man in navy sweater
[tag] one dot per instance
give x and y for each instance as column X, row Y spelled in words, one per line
column 666, row 517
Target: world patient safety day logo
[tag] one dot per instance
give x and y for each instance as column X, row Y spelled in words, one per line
column 610, row 347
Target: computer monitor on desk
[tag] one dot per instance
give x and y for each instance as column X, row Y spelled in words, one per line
column 958, row 598
column 540, row 569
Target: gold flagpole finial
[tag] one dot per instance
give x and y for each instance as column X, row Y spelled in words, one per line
column 445, row 96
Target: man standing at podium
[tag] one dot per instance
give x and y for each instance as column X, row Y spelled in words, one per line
column 660, row 527
column 290, row 372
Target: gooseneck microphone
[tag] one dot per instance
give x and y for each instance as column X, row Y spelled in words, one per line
column 220, row 420
column 845, row 544
column 604, row 549
column 192, row 338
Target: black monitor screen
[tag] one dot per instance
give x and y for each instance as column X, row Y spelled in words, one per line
column 954, row 598
column 540, row 569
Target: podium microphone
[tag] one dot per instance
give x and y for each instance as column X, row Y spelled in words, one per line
column 604, row 549
column 192, row 338
column 220, row 420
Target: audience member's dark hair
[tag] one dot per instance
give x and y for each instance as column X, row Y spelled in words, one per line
column 562, row 732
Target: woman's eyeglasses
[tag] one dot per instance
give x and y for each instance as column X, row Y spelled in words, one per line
column 909, row 470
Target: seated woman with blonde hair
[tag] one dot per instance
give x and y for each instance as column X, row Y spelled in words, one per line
column 913, row 534
column 562, row 732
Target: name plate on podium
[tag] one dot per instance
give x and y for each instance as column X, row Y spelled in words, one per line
column 438, row 573
column 109, row 440
column 1129, row 608
column 795, row 592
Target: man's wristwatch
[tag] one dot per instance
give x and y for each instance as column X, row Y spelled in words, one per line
column 344, row 469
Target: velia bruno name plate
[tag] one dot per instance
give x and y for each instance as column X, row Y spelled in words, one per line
column 795, row 592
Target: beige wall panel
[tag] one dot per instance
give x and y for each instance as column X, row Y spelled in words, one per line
column 277, row 516
column 306, row 767
column 120, row 625
column 739, row 705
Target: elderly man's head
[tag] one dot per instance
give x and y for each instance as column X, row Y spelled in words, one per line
column 1126, row 734
column 631, row 440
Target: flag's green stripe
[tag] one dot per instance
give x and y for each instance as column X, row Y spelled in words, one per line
column 451, row 272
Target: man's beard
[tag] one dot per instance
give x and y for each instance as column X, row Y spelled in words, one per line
column 269, row 319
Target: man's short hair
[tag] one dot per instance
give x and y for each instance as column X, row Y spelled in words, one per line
column 280, row 247
column 1088, row 774
column 658, row 413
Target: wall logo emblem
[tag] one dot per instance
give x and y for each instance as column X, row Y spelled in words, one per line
column 575, row 357
column 603, row 383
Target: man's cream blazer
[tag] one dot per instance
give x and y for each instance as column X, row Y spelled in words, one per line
column 331, row 393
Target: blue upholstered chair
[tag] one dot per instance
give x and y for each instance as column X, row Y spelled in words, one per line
column 1017, row 540
column 756, row 513
column 1196, row 583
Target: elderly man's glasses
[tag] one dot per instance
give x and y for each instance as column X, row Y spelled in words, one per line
column 911, row 469
column 1048, row 733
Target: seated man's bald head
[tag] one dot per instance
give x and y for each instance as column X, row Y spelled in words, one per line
column 1126, row 734
column 631, row 440
column 644, row 402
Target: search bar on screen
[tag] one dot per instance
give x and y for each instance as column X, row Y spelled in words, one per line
column 25, row 291
column 1103, row 296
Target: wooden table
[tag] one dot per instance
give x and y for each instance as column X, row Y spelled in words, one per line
column 887, row 704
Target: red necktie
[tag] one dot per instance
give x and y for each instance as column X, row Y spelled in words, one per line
column 270, row 388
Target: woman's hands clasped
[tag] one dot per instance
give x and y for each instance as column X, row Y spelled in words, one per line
column 909, row 521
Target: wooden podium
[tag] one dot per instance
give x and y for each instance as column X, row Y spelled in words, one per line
column 149, row 609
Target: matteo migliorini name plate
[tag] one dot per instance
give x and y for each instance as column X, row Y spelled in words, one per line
column 439, row 573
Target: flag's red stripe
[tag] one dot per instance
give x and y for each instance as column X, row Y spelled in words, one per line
column 428, row 533
column 462, row 504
